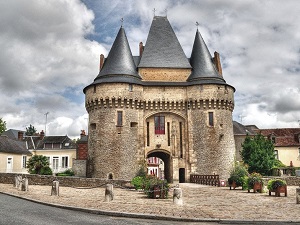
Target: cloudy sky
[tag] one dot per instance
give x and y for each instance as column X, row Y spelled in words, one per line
column 50, row 51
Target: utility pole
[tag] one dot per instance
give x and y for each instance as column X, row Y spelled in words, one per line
column 46, row 114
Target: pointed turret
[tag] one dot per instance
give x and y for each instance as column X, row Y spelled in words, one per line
column 201, row 62
column 162, row 49
column 119, row 61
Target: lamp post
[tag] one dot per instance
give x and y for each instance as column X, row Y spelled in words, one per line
column 46, row 114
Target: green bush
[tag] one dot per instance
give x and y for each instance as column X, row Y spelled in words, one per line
column 239, row 175
column 66, row 173
column 274, row 183
column 138, row 182
column 46, row 170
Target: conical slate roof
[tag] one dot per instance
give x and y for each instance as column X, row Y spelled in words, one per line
column 201, row 61
column 162, row 49
column 119, row 60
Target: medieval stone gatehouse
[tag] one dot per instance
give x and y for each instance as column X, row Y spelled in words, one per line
column 160, row 104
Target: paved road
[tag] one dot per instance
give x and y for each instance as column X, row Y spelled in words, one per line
column 18, row 211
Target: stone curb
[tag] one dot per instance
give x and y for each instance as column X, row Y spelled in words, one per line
column 152, row 217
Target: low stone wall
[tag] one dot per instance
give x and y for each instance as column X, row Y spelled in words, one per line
column 290, row 180
column 33, row 179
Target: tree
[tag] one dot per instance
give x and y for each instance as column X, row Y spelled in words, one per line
column 258, row 154
column 37, row 164
column 2, row 125
column 30, row 131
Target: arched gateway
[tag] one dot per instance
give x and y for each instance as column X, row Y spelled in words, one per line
column 160, row 104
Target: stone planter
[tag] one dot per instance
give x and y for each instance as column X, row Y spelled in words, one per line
column 297, row 173
column 257, row 187
column 278, row 190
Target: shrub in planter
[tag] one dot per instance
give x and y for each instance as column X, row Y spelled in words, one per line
column 255, row 182
column 154, row 184
column 238, row 176
column 275, row 183
column 278, row 186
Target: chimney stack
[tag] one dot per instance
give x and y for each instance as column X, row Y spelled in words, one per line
column 82, row 133
column 42, row 135
column 141, row 47
column 20, row 135
column 101, row 62
column 217, row 63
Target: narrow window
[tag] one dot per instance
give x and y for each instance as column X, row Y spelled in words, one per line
column 130, row 87
column 95, row 89
column 273, row 139
column 159, row 122
column 119, row 118
column 168, row 130
column 64, row 162
column 180, row 139
column 24, row 160
column 211, row 119
column 148, row 136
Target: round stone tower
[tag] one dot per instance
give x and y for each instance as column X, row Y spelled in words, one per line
column 160, row 104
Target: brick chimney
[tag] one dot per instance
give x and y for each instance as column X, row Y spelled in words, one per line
column 20, row 135
column 141, row 47
column 82, row 147
column 42, row 135
column 101, row 62
column 217, row 62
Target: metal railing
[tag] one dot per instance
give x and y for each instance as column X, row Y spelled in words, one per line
column 212, row 180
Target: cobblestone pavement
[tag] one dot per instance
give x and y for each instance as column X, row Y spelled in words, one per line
column 199, row 202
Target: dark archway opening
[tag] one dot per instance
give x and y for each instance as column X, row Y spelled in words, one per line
column 167, row 164
column 181, row 175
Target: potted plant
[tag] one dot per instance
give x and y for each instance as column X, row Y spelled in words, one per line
column 255, row 182
column 237, row 177
column 278, row 186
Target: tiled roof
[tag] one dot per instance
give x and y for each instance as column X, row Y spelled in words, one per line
column 12, row 133
column 13, row 146
column 56, row 139
column 162, row 48
column 201, row 61
column 239, row 129
column 283, row 136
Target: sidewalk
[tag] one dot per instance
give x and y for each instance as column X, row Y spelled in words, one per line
column 199, row 203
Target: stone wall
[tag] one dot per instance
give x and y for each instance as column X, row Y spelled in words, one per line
column 33, row 179
column 79, row 167
column 116, row 150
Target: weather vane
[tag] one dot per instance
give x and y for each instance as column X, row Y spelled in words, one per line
column 197, row 24
column 122, row 20
column 166, row 11
column 154, row 11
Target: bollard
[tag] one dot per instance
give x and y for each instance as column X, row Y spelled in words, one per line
column 18, row 180
column 109, row 195
column 298, row 195
column 177, row 196
column 55, row 188
column 23, row 186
